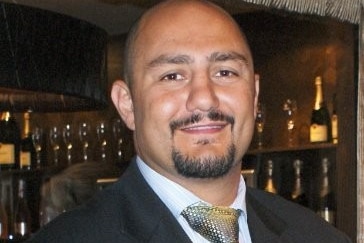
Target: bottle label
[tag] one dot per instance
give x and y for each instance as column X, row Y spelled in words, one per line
column 7, row 154
column 25, row 159
column 318, row 133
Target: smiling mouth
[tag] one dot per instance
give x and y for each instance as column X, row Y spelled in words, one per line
column 203, row 128
column 213, row 121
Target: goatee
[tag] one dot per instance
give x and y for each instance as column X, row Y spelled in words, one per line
column 205, row 167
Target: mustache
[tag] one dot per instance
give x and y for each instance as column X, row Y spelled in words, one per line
column 213, row 115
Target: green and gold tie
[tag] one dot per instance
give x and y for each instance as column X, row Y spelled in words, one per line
column 216, row 224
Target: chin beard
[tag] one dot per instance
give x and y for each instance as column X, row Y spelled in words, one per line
column 209, row 167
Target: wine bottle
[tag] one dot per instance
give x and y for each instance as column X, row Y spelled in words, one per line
column 326, row 198
column 334, row 122
column 22, row 216
column 269, row 185
column 27, row 153
column 320, row 129
column 298, row 194
column 9, row 142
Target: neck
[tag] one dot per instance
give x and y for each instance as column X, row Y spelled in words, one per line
column 219, row 191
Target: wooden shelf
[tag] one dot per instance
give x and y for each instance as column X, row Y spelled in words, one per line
column 280, row 149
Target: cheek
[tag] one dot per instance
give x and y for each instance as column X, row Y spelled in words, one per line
column 241, row 102
column 242, row 105
column 157, row 111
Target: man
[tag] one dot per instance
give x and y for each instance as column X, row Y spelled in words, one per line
column 190, row 96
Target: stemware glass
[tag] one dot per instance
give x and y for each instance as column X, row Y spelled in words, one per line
column 101, row 130
column 67, row 134
column 259, row 123
column 117, row 128
column 290, row 108
column 55, row 140
column 37, row 138
column 84, row 135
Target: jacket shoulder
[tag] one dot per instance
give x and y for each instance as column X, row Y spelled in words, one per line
column 290, row 220
column 126, row 211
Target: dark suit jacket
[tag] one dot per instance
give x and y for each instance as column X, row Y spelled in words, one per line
column 129, row 211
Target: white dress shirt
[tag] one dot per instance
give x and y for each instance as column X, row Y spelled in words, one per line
column 177, row 198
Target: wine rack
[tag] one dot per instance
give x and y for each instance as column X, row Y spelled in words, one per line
column 287, row 65
column 283, row 173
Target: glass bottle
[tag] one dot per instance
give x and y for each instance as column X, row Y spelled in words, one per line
column 326, row 198
column 7, row 200
column 269, row 185
column 4, row 232
column 9, row 142
column 27, row 153
column 22, row 216
column 320, row 129
column 334, row 122
column 298, row 194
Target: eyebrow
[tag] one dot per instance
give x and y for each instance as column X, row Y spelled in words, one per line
column 166, row 59
column 185, row 59
column 227, row 56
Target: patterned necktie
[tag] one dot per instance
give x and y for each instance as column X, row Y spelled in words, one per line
column 216, row 224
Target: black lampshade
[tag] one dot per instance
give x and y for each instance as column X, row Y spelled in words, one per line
column 50, row 62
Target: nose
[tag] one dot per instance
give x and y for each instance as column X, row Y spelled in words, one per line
column 202, row 95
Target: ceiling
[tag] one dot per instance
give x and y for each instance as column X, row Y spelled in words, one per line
column 114, row 16
column 110, row 15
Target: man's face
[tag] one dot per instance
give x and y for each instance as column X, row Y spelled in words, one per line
column 194, row 93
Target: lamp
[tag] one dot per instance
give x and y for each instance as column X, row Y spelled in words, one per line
column 50, row 62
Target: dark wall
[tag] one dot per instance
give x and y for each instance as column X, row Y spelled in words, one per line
column 289, row 52
column 47, row 120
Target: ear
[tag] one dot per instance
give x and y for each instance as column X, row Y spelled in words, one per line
column 256, row 97
column 121, row 97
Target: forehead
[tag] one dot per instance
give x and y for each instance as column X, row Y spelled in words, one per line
column 190, row 25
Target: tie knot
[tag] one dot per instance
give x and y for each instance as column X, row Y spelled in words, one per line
column 217, row 224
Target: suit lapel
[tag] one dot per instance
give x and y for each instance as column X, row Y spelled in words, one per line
column 151, row 221
column 264, row 225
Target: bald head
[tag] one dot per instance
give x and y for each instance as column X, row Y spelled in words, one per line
column 187, row 58
column 175, row 16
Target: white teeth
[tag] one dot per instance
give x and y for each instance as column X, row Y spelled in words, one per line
column 203, row 127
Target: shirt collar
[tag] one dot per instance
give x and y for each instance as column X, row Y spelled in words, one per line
column 176, row 197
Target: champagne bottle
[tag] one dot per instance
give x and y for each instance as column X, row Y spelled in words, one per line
column 22, row 216
column 7, row 199
column 320, row 129
column 334, row 122
column 269, row 182
column 27, row 153
column 298, row 194
column 326, row 200
column 4, row 233
column 9, row 142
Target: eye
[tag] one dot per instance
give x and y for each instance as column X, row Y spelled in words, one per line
column 225, row 73
column 172, row 77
